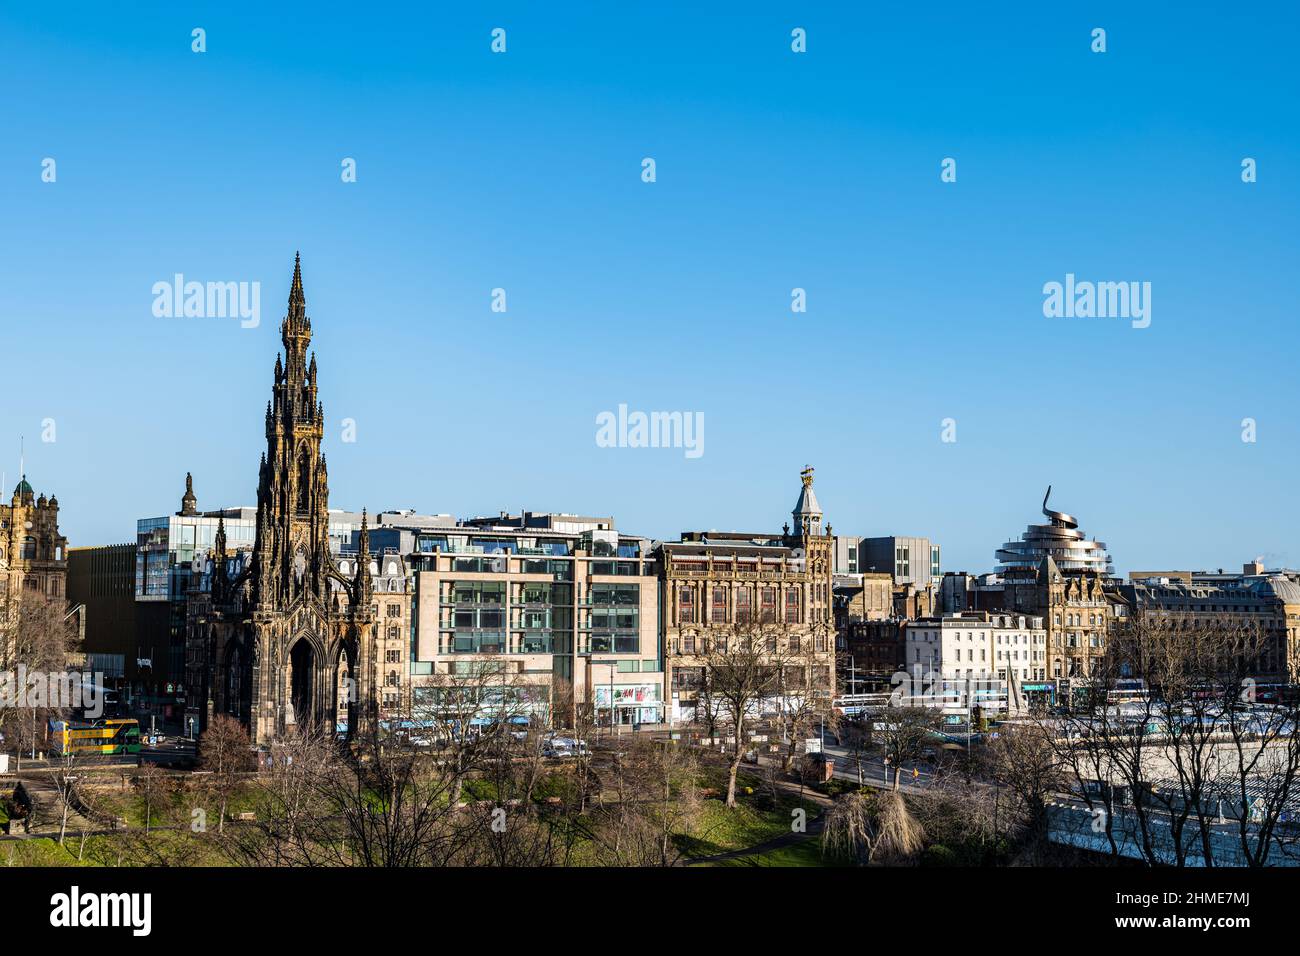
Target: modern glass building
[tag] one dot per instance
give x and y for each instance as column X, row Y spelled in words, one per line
column 570, row 617
column 1061, row 540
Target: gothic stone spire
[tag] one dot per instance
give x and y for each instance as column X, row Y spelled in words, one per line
column 292, row 552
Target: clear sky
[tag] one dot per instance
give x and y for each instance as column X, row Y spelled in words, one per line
column 775, row 170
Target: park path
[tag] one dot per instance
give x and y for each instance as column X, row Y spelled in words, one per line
column 785, row 839
column 47, row 807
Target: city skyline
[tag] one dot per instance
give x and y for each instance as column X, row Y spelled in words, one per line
column 775, row 172
column 593, row 439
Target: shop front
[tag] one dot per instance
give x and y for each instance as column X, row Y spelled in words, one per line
column 628, row 704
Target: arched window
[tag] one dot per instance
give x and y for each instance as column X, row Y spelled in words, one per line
column 304, row 483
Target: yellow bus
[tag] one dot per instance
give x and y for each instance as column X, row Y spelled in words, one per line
column 111, row 736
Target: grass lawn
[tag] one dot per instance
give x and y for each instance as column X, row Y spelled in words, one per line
column 804, row 853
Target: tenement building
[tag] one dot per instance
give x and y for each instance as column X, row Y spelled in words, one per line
column 999, row 650
column 288, row 639
column 776, row 588
column 1263, row 606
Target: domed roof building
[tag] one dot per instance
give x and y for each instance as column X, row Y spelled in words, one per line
column 1056, row 572
column 1061, row 541
column 33, row 554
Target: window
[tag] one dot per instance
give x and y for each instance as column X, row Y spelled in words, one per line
column 477, row 592
column 743, row 610
column 615, row 643
column 792, row 605
column 304, row 483
column 394, row 610
column 688, row 678
column 719, row 611
column 609, row 619
column 625, row 595
column 686, row 603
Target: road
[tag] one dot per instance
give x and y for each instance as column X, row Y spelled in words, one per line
column 874, row 771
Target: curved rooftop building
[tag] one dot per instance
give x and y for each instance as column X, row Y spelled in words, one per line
column 1062, row 541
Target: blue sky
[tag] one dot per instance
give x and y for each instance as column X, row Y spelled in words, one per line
column 775, row 170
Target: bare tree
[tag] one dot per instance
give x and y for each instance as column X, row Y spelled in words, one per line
column 743, row 672
column 36, row 633
column 856, row 737
column 397, row 800
column 653, row 798
column 1023, row 761
column 224, row 752
column 803, row 696
column 582, row 723
column 904, row 733
column 1158, row 766
column 151, row 782
column 63, row 774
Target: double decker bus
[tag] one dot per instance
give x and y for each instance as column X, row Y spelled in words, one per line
column 111, row 736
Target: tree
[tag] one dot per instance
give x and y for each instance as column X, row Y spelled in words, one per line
column 1024, row 761
column 150, row 782
column 390, row 799
column 583, row 726
column 1157, row 767
column 803, row 697
column 37, row 634
column 856, row 737
column 866, row 830
column 743, row 671
column 904, row 733
column 63, row 774
column 653, row 797
column 224, row 751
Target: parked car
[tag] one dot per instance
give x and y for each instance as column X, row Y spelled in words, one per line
column 561, row 747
